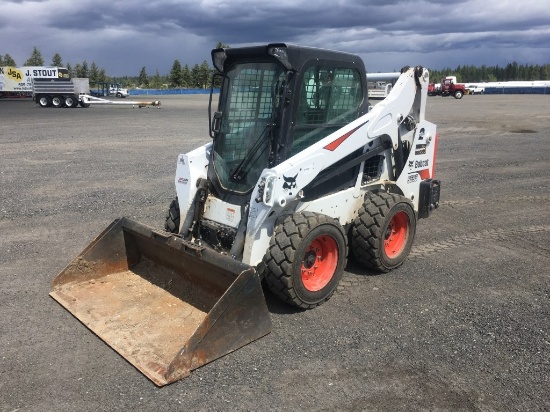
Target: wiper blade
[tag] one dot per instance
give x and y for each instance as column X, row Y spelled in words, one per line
column 239, row 173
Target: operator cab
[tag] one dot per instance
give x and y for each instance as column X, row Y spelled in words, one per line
column 275, row 101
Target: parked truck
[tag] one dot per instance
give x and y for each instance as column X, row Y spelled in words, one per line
column 105, row 89
column 447, row 87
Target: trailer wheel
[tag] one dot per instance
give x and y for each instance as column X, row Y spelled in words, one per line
column 383, row 232
column 172, row 223
column 57, row 101
column 459, row 94
column 85, row 105
column 70, row 101
column 44, row 101
column 306, row 259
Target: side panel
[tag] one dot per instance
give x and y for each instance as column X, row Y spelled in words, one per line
column 190, row 168
column 342, row 205
column 420, row 165
column 19, row 79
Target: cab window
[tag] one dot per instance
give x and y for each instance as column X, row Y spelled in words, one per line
column 330, row 98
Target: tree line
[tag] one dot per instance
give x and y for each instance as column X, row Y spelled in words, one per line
column 511, row 72
column 198, row 76
column 180, row 76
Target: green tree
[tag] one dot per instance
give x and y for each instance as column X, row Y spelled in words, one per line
column 204, row 75
column 175, row 74
column 545, row 72
column 102, row 77
column 71, row 70
column 186, row 76
column 195, row 76
column 94, row 73
column 143, row 78
column 57, row 61
column 85, row 70
column 156, row 80
column 35, row 58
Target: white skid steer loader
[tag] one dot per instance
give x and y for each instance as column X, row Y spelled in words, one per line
column 298, row 169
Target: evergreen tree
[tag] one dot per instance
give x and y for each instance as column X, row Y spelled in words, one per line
column 195, row 76
column 186, row 76
column 35, row 59
column 175, row 74
column 77, row 70
column 94, row 73
column 156, row 80
column 143, row 78
column 57, row 61
column 71, row 71
column 204, row 75
column 102, row 77
column 85, row 72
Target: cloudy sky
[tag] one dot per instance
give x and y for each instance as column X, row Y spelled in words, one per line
column 122, row 36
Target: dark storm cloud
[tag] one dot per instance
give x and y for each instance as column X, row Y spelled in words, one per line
column 125, row 35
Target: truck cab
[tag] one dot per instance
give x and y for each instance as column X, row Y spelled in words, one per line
column 449, row 87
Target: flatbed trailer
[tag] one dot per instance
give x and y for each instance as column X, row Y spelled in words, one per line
column 72, row 93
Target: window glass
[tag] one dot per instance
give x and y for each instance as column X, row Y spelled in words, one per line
column 242, row 146
column 330, row 98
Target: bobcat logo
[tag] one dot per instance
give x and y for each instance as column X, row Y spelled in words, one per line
column 290, row 182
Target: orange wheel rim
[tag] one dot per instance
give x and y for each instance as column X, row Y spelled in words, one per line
column 396, row 235
column 319, row 263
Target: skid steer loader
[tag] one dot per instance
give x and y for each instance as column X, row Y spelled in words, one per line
column 299, row 169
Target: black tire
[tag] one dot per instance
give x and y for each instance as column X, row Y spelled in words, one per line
column 459, row 94
column 70, row 101
column 119, row 95
column 306, row 259
column 85, row 105
column 383, row 231
column 58, row 101
column 172, row 223
column 44, row 101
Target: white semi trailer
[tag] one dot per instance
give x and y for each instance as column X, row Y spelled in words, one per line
column 17, row 81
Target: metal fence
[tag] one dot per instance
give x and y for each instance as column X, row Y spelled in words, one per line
column 517, row 90
column 137, row 92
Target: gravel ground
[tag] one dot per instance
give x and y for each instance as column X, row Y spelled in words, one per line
column 462, row 326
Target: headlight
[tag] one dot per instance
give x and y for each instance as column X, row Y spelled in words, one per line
column 268, row 191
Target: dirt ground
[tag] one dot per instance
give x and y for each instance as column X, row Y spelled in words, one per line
column 464, row 325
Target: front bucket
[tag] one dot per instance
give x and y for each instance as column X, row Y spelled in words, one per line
column 166, row 305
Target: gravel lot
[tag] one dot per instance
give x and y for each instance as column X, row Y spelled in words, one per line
column 464, row 325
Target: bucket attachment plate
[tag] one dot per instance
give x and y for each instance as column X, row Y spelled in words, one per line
column 164, row 304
